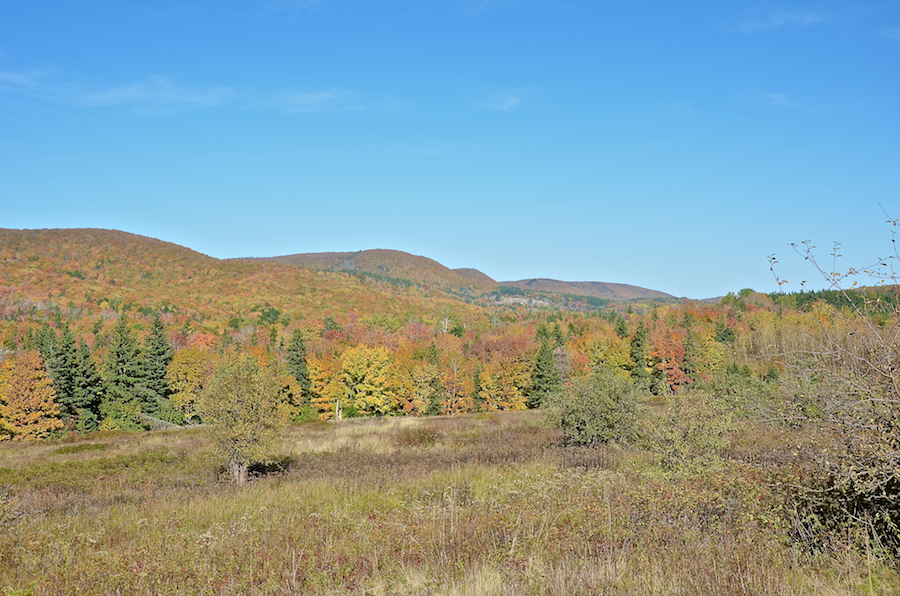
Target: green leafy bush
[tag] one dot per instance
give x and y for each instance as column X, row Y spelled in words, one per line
column 599, row 409
column 693, row 430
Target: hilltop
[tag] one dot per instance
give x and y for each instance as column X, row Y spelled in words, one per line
column 594, row 289
column 85, row 274
column 395, row 265
column 391, row 265
column 93, row 273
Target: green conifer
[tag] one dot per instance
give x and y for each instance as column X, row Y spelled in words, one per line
column 545, row 378
column 296, row 363
column 156, row 358
column 621, row 327
column 124, row 370
column 639, row 354
column 87, row 391
column 62, row 366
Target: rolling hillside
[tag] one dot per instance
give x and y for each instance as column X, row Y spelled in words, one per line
column 89, row 274
column 593, row 289
column 388, row 264
column 85, row 273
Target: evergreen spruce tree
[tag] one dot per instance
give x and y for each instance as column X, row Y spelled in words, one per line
column 639, row 354
column 42, row 341
column 296, row 363
column 621, row 327
column 61, row 364
column 545, row 379
column 87, row 391
column 124, row 379
column 477, row 398
column 558, row 335
column 690, row 354
column 157, row 356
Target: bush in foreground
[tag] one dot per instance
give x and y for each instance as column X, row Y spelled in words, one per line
column 599, row 409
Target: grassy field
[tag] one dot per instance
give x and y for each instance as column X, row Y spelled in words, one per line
column 470, row 505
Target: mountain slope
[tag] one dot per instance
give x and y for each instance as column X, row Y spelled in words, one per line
column 390, row 264
column 595, row 289
column 92, row 273
column 477, row 277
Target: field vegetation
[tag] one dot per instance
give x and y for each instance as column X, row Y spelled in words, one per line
column 477, row 504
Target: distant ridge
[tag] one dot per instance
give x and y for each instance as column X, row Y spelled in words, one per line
column 476, row 276
column 95, row 273
column 393, row 264
column 595, row 289
column 399, row 265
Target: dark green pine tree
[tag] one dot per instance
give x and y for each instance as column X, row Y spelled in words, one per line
column 690, row 354
column 296, row 363
column 62, row 364
column 558, row 335
column 545, row 378
column 157, row 356
column 41, row 340
column 621, row 327
column 88, row 390
column 477, row 399
column 124, row 367
column 639, row 354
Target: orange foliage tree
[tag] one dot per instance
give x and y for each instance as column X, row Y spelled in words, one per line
column 28, row 407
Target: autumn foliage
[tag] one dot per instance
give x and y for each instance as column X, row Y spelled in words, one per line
column 28, row 408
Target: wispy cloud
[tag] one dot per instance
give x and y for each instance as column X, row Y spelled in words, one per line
column 506, row 100
column 322, row 101
column 779, row 101
column 782, row 18
column 158, row 95
column 891, row 33
column 155, row 95
column 15, row 78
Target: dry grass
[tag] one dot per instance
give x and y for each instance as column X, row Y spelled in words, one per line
column 477, row 505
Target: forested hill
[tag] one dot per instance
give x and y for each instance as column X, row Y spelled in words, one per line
column 594, row 289
column 393, row 265
column 84, row 273
column 397, row 266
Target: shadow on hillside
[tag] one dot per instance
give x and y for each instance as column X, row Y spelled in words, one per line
column 261, row 470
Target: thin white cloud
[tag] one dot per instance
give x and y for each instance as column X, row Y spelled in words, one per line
column 779, row 101
column 783, row 18
column 322, row 101
column 498, row 101
column 156, row 94
column 21, row 79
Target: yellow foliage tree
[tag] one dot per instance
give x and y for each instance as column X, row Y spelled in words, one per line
column 369, row 379
column 241, row 403
column 28, row 407
column 327, row 389
column 190, row 370
column 502, row 383
column 612, row 352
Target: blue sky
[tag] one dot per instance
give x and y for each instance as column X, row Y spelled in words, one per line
column 668, row 145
